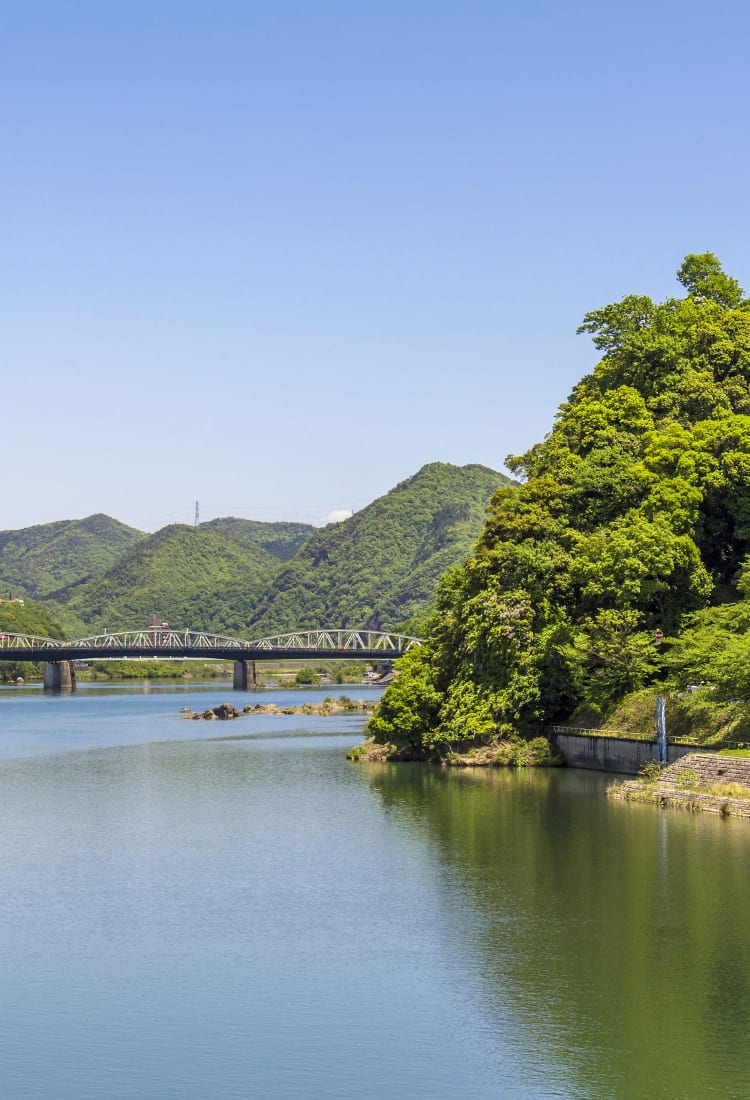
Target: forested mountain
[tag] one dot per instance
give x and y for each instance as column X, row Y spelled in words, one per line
column 633, row 519
column 281, row 539
column 185, row 575
column 380, row 567
column 36, row 561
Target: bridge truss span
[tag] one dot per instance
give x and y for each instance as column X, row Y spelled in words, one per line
column 27, row 641
column 338, row 640
column 156, row 639
column 164, row 642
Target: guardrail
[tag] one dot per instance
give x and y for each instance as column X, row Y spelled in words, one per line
column 585, row 731
column 582, row 731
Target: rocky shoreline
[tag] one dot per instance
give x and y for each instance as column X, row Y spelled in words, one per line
column 226, row 711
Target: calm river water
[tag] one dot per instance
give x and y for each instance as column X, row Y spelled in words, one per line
column 232, row 910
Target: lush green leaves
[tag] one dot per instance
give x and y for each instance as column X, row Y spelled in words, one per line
column 702, row 276
column 635, row 514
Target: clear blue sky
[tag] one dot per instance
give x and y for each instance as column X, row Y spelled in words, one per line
column 277, row 256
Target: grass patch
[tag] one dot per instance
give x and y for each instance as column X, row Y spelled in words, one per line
column 728, row 790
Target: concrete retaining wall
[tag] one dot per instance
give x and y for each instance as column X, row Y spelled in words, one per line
column 625, row 755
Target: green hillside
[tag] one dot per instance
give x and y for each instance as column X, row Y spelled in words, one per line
column 380, row 567
column 182, row 574
column 634, row 517
column 36, row 561
column 281, row 539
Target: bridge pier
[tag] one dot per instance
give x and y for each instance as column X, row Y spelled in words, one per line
column 59, row 677
column 244, row 676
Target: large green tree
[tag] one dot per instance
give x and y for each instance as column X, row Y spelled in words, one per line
column 633, row 514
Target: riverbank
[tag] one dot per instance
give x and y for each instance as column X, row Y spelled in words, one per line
column 537, row 753
column 709, row 782
column 620, row 740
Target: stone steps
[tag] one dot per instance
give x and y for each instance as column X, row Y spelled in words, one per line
column 708, row 768
column 685, row 784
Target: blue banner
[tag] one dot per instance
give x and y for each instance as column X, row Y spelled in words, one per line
column 661, row 728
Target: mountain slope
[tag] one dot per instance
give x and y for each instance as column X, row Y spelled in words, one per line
column 36, row 561
column 280, row 539
column 177, row 574
column 380, row 567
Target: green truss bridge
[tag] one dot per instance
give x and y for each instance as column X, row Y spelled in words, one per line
column 165, row 643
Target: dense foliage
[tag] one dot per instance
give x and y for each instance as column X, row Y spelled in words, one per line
column 203, row 578
column 381, row 566
column 36, row 561
column 634, row 514
column 280, row 539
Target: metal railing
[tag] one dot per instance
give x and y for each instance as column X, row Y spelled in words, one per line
column 582, row 731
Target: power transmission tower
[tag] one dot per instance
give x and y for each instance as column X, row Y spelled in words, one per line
column 197, row 514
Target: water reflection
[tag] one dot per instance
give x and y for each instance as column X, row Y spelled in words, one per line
column 615, row 931
column 186, row 914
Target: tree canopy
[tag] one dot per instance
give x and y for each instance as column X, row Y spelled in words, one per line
column 633, row 516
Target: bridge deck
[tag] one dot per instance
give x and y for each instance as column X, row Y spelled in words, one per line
column 96, row 653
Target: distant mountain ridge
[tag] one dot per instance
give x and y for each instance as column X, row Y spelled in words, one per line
column 381, row 566
column 377, row 569
column 184, row 574
column 36, row 561
column 282, row 539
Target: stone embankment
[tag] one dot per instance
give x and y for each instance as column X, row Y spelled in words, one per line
column 699, row 781
column 226, row 711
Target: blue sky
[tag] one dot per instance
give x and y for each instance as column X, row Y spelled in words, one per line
column 277, row 256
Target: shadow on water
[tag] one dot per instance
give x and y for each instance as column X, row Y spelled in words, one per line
column 615, row 932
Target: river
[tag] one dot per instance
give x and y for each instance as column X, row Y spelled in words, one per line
column 232, row 910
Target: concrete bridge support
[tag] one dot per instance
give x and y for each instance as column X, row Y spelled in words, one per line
column 59, row 677
column 244, row 676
